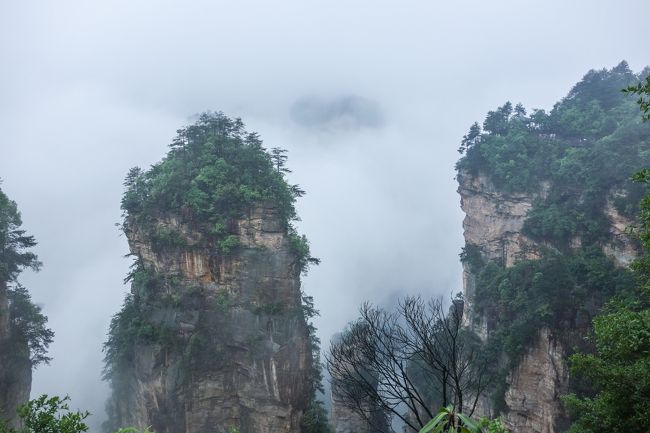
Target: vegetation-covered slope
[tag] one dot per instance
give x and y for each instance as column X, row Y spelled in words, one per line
column 615, row 392
column 582, row 154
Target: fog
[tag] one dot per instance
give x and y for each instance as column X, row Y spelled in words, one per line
column 371, row 98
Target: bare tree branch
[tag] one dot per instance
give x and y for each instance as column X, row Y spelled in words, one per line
column 407, row 363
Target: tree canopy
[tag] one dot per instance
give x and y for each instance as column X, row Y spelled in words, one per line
column 614, row 396
column 215, row 170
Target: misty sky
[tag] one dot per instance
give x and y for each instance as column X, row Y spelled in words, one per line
column 370, row 97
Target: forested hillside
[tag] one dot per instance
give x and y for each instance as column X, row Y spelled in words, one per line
column 563, row 208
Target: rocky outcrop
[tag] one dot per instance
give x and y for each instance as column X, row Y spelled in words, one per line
column 494, row 219
column 622, row 247
column 535, row 387
column 235, row 351
column 493, row 222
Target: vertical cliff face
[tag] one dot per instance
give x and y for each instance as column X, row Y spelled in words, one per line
column 535, row 387
column 493, row 223
column 213, row 335
column 548, row 199
column 237, row 352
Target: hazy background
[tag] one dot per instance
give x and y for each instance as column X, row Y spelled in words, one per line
column 370, row 97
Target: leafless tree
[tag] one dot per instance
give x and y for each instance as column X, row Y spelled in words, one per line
column 406, row 363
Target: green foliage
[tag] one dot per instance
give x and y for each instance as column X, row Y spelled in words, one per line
column 492, row 425
column 315, row 419
column 300, row 248
column 643, row 90
column 471, row 256
column 29, row 337
column 229, row 244
column 130, row 327
column 214, row 173
column 49, row 415
column 619, row 372
column 555, row 292
column 165, row 238
column 134, row 324
column 28, row 324
column 53, row 415
column 552, row 222
column 576, row 159
column 615, row 396
column 14, row 242
column 447, row 420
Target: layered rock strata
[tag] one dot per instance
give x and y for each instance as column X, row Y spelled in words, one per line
column 238, row 354
column 493, row 222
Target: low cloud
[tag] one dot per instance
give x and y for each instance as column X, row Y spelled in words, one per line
column 347, row 112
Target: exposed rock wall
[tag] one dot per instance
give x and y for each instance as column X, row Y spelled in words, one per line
column 622, row 248
column 493, row 222
column 493, row 219
column 240, row 353
column 535, row 387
